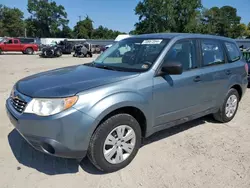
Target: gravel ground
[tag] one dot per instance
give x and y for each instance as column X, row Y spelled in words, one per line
column 201, row 153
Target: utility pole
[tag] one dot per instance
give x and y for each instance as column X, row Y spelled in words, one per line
column 25, row 32
column 80, row 18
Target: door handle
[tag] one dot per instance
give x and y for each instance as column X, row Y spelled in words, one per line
column 197, row 79
column 228, row 72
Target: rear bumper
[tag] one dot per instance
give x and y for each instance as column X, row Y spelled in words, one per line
column 66, row 134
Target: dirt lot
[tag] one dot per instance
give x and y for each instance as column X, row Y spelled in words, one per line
column 201, row 153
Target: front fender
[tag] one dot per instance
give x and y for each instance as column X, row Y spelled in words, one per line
column 98, row 107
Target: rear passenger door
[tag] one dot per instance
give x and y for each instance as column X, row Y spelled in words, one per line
column 214, row 69
column 16, row 45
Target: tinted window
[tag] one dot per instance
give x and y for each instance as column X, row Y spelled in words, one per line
column 16, row 41
column 9, row 41
column 212, row 52
column 183, row 52
column 233, row 51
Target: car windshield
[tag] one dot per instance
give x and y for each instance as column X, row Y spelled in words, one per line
column 2, row 40
column 132, row 54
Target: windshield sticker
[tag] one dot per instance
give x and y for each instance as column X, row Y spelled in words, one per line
column 145, row 66
column 157, row 41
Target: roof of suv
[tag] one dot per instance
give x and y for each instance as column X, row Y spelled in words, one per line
column 181, row 35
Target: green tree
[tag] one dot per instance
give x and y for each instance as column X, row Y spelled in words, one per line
column 84, row 28
column 66, row 32
column 222, row 21
column 47, row 17
column 230, row 22
column 32, row 27
column 1, row 21
column 105, row 33
column 100, row 33
column 166, row 15
column 11, row 22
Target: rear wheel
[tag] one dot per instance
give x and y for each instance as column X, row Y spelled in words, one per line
column 1, row 51
column 29, row 51
column 229, row 108
column 115, row 143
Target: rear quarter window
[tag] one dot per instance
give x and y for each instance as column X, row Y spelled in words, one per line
column 233, row 52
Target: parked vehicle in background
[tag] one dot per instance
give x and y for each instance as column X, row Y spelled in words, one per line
column 51, row 52
column 14, row 45
column 244, row 43
column 104, row 108
column 95, row 49
column 83, row 50
column 246, row 55
column 65, row 46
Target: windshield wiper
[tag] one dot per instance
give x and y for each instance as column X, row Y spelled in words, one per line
column 106, row 67
column 93, row 64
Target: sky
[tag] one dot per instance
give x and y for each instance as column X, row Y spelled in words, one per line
column 119, row 14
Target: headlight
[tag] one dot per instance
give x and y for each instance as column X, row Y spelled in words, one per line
column 47, row 107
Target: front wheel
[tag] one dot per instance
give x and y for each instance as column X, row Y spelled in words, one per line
column 115, row 143
column 229, row 108
column 58, row 53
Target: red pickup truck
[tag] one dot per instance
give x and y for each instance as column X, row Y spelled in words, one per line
column 14, row 45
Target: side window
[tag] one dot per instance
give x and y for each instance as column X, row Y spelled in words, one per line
column 9, row 41
column 212, row 53
column 15, row 41
column 233, row 51
column 183, row 52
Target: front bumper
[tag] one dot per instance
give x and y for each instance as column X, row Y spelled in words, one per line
column 66, row 134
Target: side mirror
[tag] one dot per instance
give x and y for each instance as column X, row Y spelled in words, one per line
column 5, row 42
column 172, row 68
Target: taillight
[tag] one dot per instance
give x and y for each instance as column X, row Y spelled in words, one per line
column 246, row 67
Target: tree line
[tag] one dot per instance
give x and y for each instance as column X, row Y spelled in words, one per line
column 188, row 16
column 48, row 19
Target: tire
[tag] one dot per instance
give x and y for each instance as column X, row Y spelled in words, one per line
column 58, row 53
column 97, row 142
column 1, row 51
column 29, row 51
column 23, row 52
column 222, row 115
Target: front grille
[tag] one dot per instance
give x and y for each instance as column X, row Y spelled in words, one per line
column 18, row 104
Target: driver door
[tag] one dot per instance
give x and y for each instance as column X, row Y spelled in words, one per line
column 178, row 96
column 9, row 46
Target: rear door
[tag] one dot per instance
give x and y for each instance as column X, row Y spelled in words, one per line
column 16, row 45
column 214, row 70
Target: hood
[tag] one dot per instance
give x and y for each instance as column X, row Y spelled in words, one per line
column 68, row 81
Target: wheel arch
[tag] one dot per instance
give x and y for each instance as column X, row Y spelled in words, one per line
column 238, row 88
column 135, row 112
column 27, row 47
